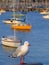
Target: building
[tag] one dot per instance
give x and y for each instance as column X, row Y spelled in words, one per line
column 22, row 4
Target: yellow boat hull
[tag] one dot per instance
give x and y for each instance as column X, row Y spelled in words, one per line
column 27, row 27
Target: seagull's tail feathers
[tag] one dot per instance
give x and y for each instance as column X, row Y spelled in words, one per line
column 12, row 56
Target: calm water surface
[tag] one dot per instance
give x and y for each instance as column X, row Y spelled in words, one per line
column 38, row 37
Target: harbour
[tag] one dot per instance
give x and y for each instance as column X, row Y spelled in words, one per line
column 24, row 32
column 38, row 37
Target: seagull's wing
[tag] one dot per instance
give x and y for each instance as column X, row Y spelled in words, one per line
column 17, row 51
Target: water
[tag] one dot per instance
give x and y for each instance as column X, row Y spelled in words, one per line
column 38, row 37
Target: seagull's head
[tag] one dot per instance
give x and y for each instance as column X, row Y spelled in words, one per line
column 26, row 43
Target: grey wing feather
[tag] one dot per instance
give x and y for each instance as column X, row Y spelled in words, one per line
column 16, row 52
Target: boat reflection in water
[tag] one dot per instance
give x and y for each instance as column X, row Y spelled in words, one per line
column 24, row 30
column 8, row 49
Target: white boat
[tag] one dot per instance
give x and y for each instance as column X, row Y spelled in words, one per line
column 11, row 21
column 2, row 11
column 44, row 12
column 10, row 41
column 46, row 16
column 47, row 9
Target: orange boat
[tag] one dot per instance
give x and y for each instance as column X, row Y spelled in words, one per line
column 21, row 26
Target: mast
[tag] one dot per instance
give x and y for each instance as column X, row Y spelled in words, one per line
column 14, row 17
column 46, row 4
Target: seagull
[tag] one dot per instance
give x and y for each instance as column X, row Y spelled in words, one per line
column 21, row 51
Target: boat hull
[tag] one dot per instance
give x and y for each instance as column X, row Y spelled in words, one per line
column 2, row 11
column 27, row 27
column 44, row 13
column 46, row 17
column 11, row 21
column 10, row 43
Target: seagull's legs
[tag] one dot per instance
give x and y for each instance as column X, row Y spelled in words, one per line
column 21, row 60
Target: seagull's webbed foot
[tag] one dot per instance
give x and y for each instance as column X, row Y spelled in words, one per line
column 22, row 63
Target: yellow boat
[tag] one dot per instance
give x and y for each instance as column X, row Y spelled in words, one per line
column 21, row 26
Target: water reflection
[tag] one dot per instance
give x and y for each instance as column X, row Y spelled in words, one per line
column 24, row 30
column 8, row 49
